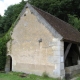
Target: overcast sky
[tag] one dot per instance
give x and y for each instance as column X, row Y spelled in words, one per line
column 5, row 3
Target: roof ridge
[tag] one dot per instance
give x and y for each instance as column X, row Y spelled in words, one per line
column 65, row 30
column 54, row 16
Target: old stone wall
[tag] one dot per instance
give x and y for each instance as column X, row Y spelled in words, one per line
column 34, row 49
column 72, row 70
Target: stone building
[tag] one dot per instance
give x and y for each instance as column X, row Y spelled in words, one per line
column 42, row 43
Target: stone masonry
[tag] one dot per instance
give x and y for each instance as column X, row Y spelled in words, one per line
column 29, row 54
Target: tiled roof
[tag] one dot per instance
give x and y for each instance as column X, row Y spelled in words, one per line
column 68, row 32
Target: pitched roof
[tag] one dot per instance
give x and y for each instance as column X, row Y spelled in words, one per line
column 68, row 32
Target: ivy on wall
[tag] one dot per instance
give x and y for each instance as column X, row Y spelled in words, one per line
column 3, row 45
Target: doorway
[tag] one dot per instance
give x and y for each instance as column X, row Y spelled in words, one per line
column 72, row 56
column 71, row 59
column 8, row 66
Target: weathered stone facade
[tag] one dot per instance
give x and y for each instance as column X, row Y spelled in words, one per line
column 73, row 70
column 34, row 49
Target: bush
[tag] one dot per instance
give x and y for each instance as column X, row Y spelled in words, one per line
column 5, row 38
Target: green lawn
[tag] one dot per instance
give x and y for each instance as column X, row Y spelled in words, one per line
column 17, row 76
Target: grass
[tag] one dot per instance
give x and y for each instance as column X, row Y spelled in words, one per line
column 78, row 77
column 17, row 76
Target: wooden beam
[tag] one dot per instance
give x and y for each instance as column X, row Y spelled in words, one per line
column 78, row 51
column 67, row 51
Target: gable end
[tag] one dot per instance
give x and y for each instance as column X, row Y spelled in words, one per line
column 44, row 22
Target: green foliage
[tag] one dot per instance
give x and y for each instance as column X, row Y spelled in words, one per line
column 3, row 46
column 74, row 21
column 3, row 50
column 67, row 10
column 1, row 24
column 10, row 16
column 16, row 76
column 60, row 8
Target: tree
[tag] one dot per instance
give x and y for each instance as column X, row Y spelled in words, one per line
column 10, row 16
column 60, row 8
column 5, row 23
column 1, row 24
column 74, row 21
column 12, row 13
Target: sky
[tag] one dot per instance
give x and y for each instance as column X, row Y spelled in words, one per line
column 5, row 3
